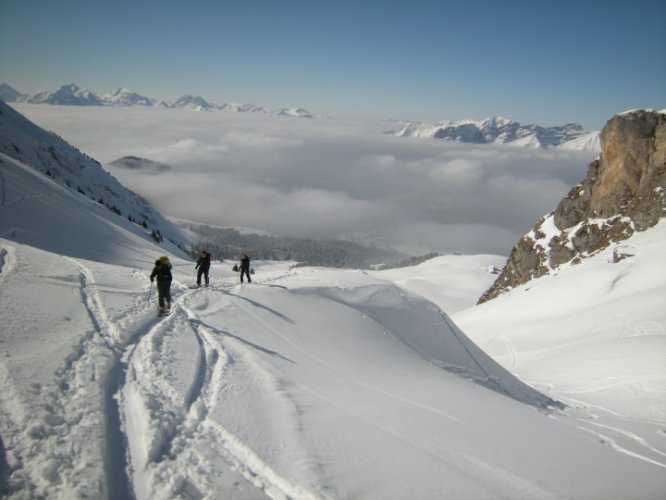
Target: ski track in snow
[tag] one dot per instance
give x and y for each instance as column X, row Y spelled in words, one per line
column 156, row 440
column 613, row 443
column 334, row 370
column 512, row 351
column 608, row 434
column 243, row 459
column 93, row 303
column 116, row 477
column 588, row 418
column 189, row 445
column 79, row 381
column 160, row 438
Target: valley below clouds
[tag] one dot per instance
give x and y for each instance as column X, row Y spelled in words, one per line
column 324, row 178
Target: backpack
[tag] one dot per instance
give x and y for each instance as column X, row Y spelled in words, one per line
column 163, row 269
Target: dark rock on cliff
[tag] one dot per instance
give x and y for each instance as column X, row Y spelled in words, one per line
column 624, row 191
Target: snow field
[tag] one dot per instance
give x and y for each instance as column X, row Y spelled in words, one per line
column 54, row 371
column 312, row 382
column 299, row 386
column 593, row 336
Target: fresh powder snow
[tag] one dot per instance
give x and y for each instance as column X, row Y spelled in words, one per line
column 313, row 382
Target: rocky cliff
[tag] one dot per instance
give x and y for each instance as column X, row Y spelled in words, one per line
column 624, row 191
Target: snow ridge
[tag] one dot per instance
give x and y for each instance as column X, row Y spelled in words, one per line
column 73, row 95
column 498, row 130
column 424, row 327
column 62, row 163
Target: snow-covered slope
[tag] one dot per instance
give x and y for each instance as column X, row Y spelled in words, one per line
column 588, row 141
column 307, row 383
column 450, row 281
column 39, row 212
column 592, row 335
column 593, row 332
column 53, row 157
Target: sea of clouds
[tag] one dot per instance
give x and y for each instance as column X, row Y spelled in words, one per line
column 324, row 178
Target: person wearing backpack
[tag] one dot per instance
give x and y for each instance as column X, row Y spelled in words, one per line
column 203, row 265
column 245, row 268
column 162, row 273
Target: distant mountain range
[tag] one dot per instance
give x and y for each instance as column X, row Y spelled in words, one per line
column 498, row 130
column 72, row 95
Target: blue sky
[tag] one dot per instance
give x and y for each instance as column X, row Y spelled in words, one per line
column 545, row 62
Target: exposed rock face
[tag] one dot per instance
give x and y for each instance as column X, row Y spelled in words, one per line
column 624, row 191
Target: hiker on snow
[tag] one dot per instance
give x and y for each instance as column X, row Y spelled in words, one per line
column 245, row 268
column 162, row 271
column 203, row 264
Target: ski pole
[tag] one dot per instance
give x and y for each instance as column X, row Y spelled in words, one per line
column 150, row 291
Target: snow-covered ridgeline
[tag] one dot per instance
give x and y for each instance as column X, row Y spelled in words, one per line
column 55, row 158
column 72, row 95
column 498, row 130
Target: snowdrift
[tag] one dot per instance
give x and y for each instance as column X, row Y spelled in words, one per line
column 423, row 326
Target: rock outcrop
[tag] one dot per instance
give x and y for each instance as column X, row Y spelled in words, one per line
column 624, row 192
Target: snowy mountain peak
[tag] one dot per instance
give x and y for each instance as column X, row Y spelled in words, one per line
column 297, row 112
column 67, row 95
column 492, row 122
column 72, row 95
column 125, row 97
column 499, row 130
column 192, row 102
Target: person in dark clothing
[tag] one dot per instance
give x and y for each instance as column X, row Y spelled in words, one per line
column 245, row 268
column 203, row 265
column 162, row 272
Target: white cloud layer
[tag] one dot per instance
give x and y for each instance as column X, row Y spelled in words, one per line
column 323, row 178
